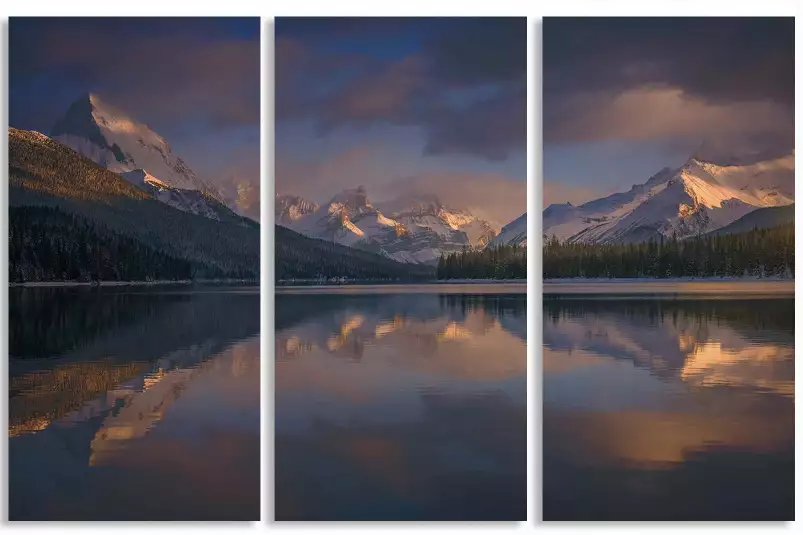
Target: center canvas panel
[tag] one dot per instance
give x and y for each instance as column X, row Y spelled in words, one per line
column 401, row 263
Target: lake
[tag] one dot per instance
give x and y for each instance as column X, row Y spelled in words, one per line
column 676, row 405
column 134, row 403
column 401, row 403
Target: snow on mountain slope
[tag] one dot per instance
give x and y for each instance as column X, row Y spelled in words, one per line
column 290, row 208
column 410, row 229
column 348, row 219
column 186, row 200
column 427, row 212
column 514, row 233
column 697, row 198
column 114, row 140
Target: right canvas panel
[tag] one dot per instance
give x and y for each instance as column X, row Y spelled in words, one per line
column 668, row 264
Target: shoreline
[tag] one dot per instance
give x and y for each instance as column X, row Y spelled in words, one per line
column 356, row 282
column 624, row 280
column 678, row 288
column 78, row 284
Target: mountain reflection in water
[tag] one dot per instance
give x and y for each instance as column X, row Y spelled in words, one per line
column 658, row 409
column 400, row 407
column 134, row 404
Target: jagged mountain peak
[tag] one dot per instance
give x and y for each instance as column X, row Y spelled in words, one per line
column 290, row 208
column 114, row 139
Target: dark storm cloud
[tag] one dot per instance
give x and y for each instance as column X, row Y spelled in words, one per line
column 175, row 69
column 490, row 128
column 719, row 60
column 608, row 78
column 480, row 51
column 462, row 81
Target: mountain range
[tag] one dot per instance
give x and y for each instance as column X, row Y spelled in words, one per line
column 699, row 197
column 414, row 229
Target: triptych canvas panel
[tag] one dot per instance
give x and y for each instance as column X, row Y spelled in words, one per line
column 394, row 384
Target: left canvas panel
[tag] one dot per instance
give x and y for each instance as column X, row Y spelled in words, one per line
column 133, row 197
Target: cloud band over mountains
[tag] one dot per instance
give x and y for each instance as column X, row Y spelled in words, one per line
column 662, row 83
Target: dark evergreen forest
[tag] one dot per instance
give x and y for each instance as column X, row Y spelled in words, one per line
column 47, row 244
column 759, row 253
column 502, row 262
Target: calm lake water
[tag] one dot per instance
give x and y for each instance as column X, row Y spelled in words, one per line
column 401, row 405
column 134, row 403
column 673, row 408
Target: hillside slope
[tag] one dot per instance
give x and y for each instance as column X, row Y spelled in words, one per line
column 514, row 233
column 43, row 172
column 761, row 218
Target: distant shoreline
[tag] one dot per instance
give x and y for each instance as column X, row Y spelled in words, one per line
column 76, row 284
column 317, row 282
column 615, row 280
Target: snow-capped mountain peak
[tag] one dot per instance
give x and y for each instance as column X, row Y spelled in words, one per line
column 351, row 202
column 290, row 208
column 115, row 140
column 701, row 196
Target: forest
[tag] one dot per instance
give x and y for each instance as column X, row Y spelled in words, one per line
column 300, row 257
column 501, row 262
column 47, row 244
column 757, row 253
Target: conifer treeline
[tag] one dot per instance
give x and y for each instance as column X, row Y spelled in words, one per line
column 759, row 252
column 46, row 244
column 500, row 262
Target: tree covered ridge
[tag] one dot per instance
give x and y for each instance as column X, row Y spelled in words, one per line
column 39, row 163
column 499, row 262
column 759, row 252
column 45, row 173
column 300, row 257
